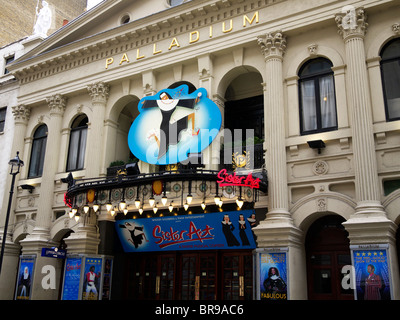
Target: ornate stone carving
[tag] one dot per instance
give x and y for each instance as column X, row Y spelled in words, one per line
column 320, row 168
column 273, row 45
column 396, row 28
column 57, row 104
column 321, row 205
column 313, row 49
column 21, row 113
column 99, row 91
column 351, row 22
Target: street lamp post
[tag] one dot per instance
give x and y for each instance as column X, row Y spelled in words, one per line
column 15, row 164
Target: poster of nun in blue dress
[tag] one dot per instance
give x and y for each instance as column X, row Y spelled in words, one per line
column 25, row 278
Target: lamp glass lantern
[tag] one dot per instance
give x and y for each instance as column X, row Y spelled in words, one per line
column 15, row 164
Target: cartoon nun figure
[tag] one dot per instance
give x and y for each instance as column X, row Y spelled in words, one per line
column 137, row 233
column 242, row 231
column 227, row 228
column 169, row 131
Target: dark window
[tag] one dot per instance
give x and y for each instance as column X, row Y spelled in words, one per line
column 3, row 112
column 390, row 69
column 317, row 97
column 8, row 60
column 38, row 152
column 77, row 143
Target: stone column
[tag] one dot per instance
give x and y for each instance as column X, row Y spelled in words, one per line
column 41, row 232
column 277, row 230
column 95, row 153
column 40, row 236
column 9, row 270
column 369, row 224
column 273, row 47
column 352, row 27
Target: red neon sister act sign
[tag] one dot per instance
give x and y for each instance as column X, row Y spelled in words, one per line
column 228, row 179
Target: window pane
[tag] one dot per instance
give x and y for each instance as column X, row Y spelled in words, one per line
column 392, row 50
column 73, row 150
column 327, row 102
column 82, row 148
column 41, row 156
column 38, row 152
column 308, row 103
column 391, row 78
column 37, row 157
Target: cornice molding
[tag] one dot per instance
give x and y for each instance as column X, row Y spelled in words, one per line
column 163, row 25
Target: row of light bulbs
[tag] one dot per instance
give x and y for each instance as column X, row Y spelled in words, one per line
column 124, row 208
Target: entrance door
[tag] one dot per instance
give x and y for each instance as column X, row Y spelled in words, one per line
column 328, row 252
column 207, row 275
column 198, row 276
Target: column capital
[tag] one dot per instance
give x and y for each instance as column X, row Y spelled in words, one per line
column 352, row 22
column 21, row 113
column 57, row 104
column 99, row 91
column 273, row 45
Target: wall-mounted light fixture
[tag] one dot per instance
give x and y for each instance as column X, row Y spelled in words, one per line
column 28, row 187
column 316, row 144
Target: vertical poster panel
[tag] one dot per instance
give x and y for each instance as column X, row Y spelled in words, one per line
column 25, row 278
column 271, row 274
column 72, row 278
column 92, row 278
column 107, row 272
column 372, row 273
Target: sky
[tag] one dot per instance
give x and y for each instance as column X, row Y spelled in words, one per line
column 92, row 3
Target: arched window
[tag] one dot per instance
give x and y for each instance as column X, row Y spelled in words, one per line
column 317, row 97
column 38, row 152
column 390, row 70
column 77, row 143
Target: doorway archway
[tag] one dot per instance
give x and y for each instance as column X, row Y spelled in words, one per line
column 327, row 252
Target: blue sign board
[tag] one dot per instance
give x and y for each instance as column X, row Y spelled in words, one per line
column 53, row 253
column 222, row 230
column 173, row 124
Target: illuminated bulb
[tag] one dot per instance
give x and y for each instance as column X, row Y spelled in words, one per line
column 189, row 198
column 164, row 200
column 77, row 217
column 74, row 210
column 217, row 199
column 137, row 203
column 239, row 202
column 109, row 206
column 170, row 207
column 112, row 212
column 151, row 201
column 203, row 205
column 140, row 210
column 86, row 208
column 96, row 207
column 122, row 205
column 186, row 206
column 71, row 214
column 155, row 209
column 220, row 203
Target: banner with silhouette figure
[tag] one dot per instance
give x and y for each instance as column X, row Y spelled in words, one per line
column 222, row 230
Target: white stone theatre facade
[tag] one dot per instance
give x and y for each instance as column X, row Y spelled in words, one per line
column 209, row 150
